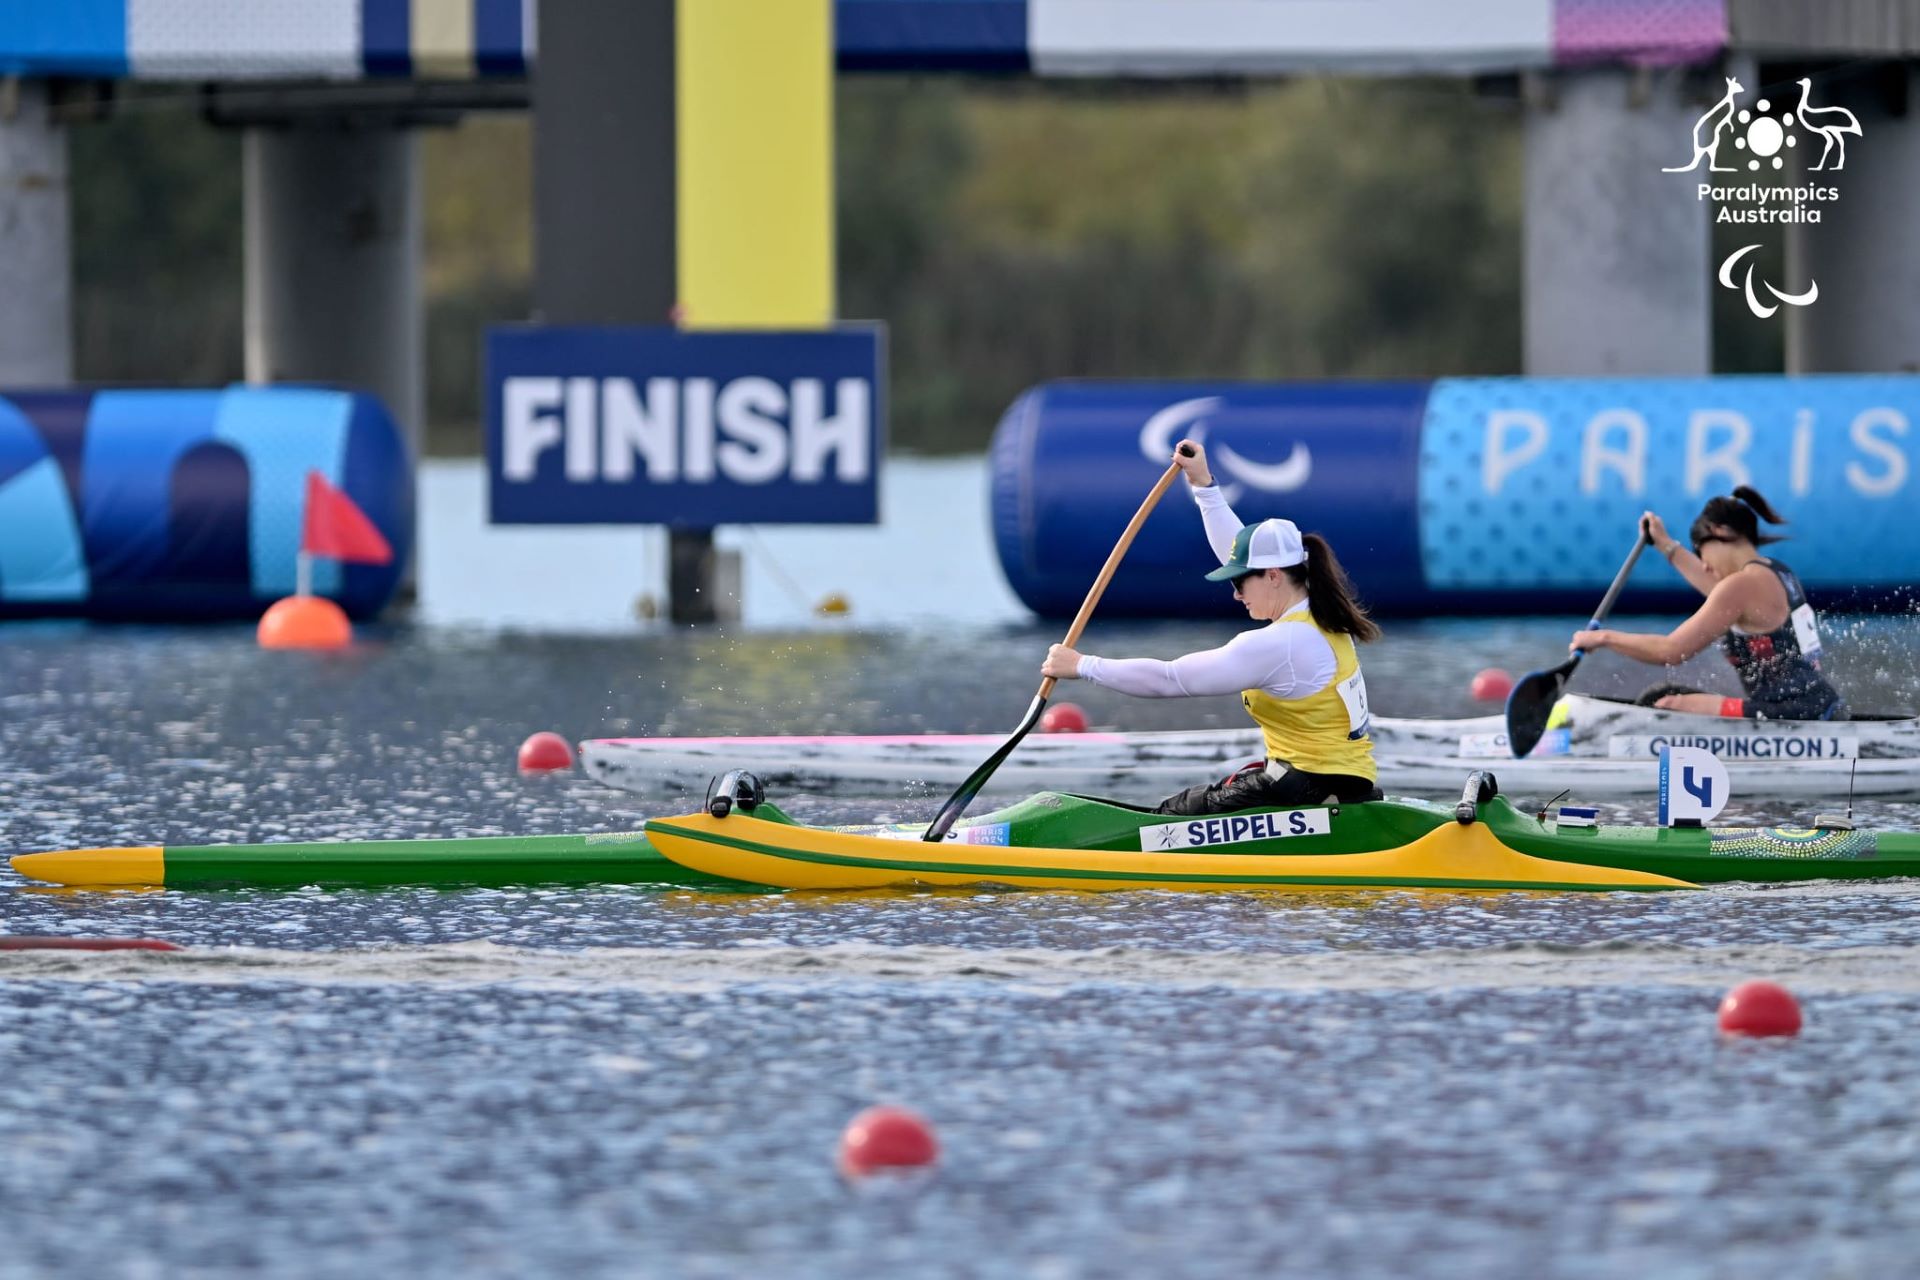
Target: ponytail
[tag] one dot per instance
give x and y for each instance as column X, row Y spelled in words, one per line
column 1751, row 496
column 1330, row 597
column 1741, row 513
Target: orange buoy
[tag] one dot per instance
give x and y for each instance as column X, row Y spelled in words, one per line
column 886, row 1138
column 1063, row 717
column 545, row 752
column 1492, row 685
column 1760, row 1009
column 305, row 622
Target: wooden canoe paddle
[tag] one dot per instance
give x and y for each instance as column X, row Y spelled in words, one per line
column 957, row 803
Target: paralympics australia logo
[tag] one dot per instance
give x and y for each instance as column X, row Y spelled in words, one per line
column 1758, row 139
column 1235, row 472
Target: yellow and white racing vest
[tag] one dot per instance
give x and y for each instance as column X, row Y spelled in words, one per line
column 1324, row 732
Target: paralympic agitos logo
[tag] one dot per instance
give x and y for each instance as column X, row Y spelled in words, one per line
column 1187, row 420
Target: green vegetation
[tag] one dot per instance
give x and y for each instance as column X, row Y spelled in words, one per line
column 156, row 251
column 1007, row 231
column 1308, row 230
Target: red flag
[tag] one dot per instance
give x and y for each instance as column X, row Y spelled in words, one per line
column 338, row 529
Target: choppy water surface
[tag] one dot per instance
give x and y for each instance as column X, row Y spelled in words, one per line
column 629, row 1082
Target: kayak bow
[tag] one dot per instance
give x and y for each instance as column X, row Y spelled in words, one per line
column 610, row 857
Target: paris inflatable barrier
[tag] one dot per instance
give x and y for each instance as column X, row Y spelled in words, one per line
column 1463, row 494
column 188, row 504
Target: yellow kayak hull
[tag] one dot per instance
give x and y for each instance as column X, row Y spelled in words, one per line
column 784, row 856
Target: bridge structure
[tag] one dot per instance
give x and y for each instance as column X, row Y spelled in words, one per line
column 683, row 153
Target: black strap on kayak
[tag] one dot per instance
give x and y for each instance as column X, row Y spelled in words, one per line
column 736, row 788
column 1481, row 787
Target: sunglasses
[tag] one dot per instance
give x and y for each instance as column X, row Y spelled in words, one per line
column 1712, row 537
column 1241, row 581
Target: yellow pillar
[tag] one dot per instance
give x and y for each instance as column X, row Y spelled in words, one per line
column 754, row 83
column 753, row 189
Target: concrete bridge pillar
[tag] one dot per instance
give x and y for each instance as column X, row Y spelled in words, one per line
column 333, row 245
column 1863, row 253
column 1616, row 255
column 36, row 273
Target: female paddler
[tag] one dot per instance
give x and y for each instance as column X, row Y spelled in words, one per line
column 1756, row 608
column 1298, row 676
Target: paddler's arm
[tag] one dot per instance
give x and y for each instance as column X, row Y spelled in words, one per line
column 1724, row 606
column 1222, row 525
column 1281, row 660
column 1684, row 562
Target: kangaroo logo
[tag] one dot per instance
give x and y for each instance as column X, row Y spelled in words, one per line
column 1707, row 130
column 1156, row 444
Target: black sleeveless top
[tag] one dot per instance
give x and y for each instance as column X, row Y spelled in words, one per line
column 1780, row 671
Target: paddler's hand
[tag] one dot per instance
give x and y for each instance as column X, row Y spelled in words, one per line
column 1589, row 641
column 1657, row 535
column 1199, row 475
column 1062, row 663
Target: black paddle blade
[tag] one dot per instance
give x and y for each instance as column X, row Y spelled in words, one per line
column 957, row 803
column 1530, row 705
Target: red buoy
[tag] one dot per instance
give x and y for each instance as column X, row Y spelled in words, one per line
column 1760, row 1009
column 1063, row 717
column 544, row 753
column 43, row 942
column 886, row 1138
column 1492, row 685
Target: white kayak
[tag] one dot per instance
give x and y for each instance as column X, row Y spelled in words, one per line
column 1594, row 746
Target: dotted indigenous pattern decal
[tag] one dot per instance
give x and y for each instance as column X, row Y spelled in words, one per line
column 1793, row 842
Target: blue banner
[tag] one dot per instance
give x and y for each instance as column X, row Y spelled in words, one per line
column 1071, row 461
column 1537, row 482
column 1464, row 494
column 694, row 429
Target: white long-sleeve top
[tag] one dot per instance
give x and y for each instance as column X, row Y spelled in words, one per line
column 1222, row 525
column 1287, row 660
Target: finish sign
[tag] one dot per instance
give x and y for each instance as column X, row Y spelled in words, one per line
column 1693, row 786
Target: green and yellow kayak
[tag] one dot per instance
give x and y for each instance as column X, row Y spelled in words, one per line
column 1049, row 840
